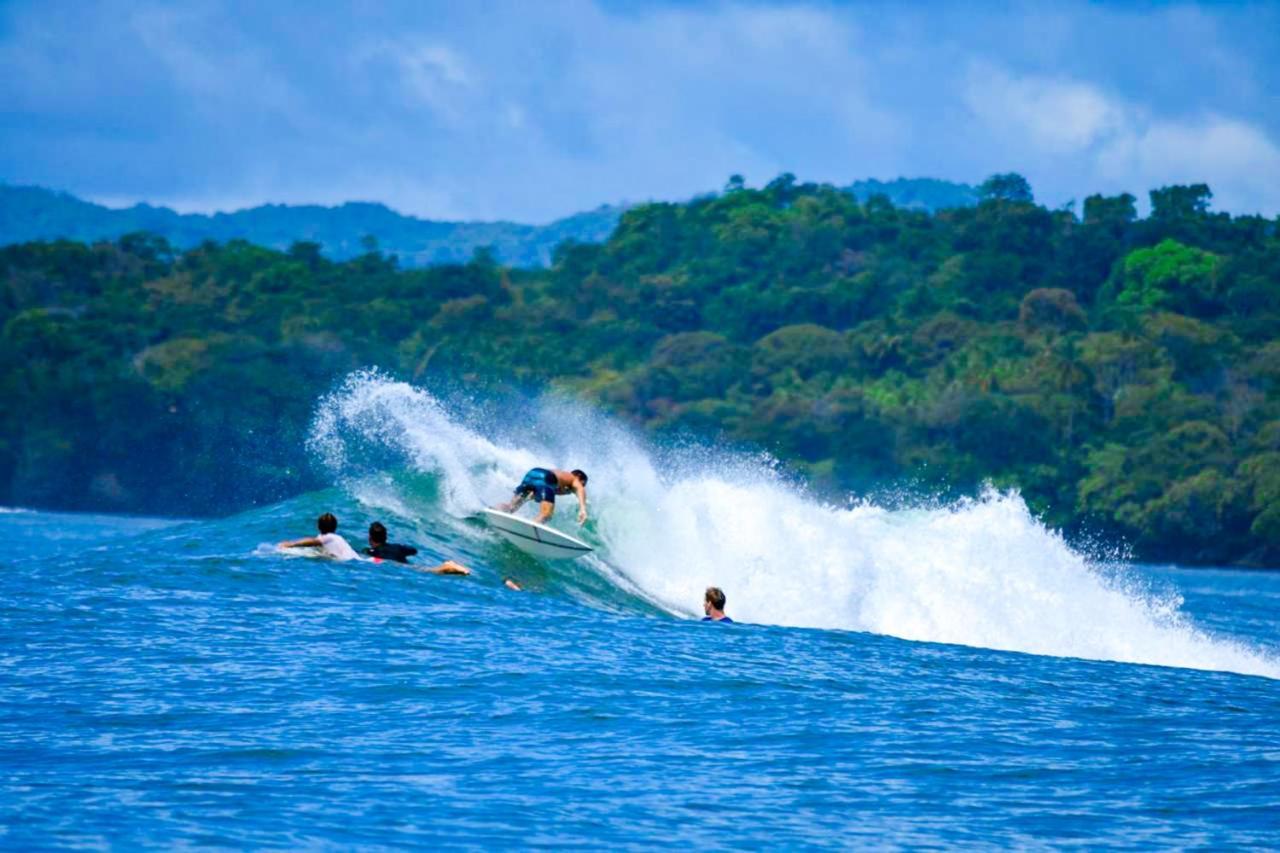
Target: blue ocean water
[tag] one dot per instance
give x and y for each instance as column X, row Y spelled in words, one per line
column 933, row 676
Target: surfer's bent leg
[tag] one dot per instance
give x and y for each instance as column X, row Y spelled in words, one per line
column 539, row 484
column 527, row 487
column 544, row 511
column 545, row 493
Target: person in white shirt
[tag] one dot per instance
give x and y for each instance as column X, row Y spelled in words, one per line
column 328, row 541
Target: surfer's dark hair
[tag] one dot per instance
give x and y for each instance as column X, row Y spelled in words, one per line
column 715, row 597
column 378, row 533
column 327, row 523
column 580, row 474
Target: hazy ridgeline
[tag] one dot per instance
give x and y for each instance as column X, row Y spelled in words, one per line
column 1124, row 373
column 352, row 229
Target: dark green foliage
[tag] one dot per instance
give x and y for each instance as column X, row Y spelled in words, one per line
column 1007, row 187
column 1051, row 308
column 1123, row 372
column 1180, row 203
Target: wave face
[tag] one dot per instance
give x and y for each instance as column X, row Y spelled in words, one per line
column 668, row 522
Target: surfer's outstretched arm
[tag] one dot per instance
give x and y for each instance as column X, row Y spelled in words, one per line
column 307, row 542
column 581, row 491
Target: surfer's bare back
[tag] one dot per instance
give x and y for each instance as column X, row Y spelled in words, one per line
column 543, row 484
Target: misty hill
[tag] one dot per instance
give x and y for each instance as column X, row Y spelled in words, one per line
column 926, row 194
column 35, row 213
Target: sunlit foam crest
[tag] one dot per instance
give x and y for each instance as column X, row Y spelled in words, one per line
column 670, row 522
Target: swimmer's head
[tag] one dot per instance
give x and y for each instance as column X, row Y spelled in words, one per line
column 327, row 523
column 377, row 534
column 714, row 598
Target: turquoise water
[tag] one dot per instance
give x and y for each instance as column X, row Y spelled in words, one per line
column 914, row 676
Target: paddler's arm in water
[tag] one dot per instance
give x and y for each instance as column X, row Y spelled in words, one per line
column 449, row 567
column 308, row 542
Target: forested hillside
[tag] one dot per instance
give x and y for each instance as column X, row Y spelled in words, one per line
column 1124, row 373
column 349, row 230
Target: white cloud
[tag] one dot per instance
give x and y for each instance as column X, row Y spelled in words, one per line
column 429, row 73
column 1058, row 116
column 1238, row 161
column 1074, row 130
column 429, row 68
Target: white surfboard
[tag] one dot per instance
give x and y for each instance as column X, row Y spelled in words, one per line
column 534, row 538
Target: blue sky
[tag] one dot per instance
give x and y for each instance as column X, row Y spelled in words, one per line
column 529, row 111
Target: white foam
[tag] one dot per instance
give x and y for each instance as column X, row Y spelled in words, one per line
column 982, row 572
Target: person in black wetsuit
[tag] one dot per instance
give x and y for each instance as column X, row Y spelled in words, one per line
column 380, row 549
column 543, row 484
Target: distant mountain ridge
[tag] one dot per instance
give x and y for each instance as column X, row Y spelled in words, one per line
column 35, row 213
column 929, row 194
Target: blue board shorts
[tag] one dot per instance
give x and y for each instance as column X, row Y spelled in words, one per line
column 541, row 484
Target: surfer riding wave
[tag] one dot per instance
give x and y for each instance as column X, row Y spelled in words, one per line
column 543, row 484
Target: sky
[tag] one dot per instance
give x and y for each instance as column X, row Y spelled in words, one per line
column 530, row 111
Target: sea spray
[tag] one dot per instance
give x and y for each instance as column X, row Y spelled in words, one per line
column 669, row 522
